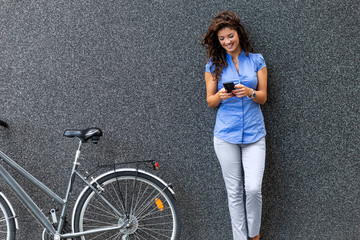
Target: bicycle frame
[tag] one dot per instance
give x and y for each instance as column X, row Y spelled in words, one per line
column 35, row 210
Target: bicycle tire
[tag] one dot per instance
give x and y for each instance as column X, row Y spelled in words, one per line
column 154, row 210
column 7, row 221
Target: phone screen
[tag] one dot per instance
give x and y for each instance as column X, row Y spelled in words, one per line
column 229, row 86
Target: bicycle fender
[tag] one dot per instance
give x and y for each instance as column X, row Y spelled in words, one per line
column 136, row 170
column 11, row 209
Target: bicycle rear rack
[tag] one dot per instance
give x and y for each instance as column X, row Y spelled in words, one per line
column 154, row 164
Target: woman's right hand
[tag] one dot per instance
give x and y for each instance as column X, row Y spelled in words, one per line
column 223, row 94
column 213, row 96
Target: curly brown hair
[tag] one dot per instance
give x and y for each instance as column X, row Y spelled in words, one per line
column 214, row 51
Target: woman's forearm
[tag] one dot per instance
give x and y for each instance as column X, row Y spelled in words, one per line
column 260, row 96
column 214, row 100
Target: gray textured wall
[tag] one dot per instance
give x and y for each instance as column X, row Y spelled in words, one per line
column 135, row 69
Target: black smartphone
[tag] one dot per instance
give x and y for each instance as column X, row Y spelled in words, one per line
column 229, row 86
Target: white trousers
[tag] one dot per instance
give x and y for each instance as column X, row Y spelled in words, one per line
column 243, row 167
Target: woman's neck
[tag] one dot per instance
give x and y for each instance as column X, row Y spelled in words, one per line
column 235, row 54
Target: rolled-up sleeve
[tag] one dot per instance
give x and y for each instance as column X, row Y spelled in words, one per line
column 260, row 62
column 209, row 68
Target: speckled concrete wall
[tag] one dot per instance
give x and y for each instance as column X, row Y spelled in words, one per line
column 135, row 69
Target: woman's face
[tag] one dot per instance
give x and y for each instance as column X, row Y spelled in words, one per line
column 229, row 40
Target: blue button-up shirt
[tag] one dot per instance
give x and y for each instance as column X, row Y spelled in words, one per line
column 240, row 120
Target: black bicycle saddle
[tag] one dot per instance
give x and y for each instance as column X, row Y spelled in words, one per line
column 4, row 124
column 84, row 135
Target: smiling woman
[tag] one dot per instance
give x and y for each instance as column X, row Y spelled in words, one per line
column 214, row 49
column 239, row 134
column 229, row 40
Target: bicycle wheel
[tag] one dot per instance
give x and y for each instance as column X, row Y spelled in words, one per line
column 153, row 212
column 7, row 222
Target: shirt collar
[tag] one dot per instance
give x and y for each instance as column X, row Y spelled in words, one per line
column 228, row 56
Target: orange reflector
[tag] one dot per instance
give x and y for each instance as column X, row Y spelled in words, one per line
column 159, row 204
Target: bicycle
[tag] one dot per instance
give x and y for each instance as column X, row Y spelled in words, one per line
column 122, row 203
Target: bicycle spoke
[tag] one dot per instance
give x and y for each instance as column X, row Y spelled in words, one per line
column 146, row 203
column 104, row 211
column 155, row 231
column 119, row 201
column 137, row 236
column 102, row 235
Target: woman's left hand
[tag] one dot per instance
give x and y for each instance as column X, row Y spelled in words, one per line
column 241, row 91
